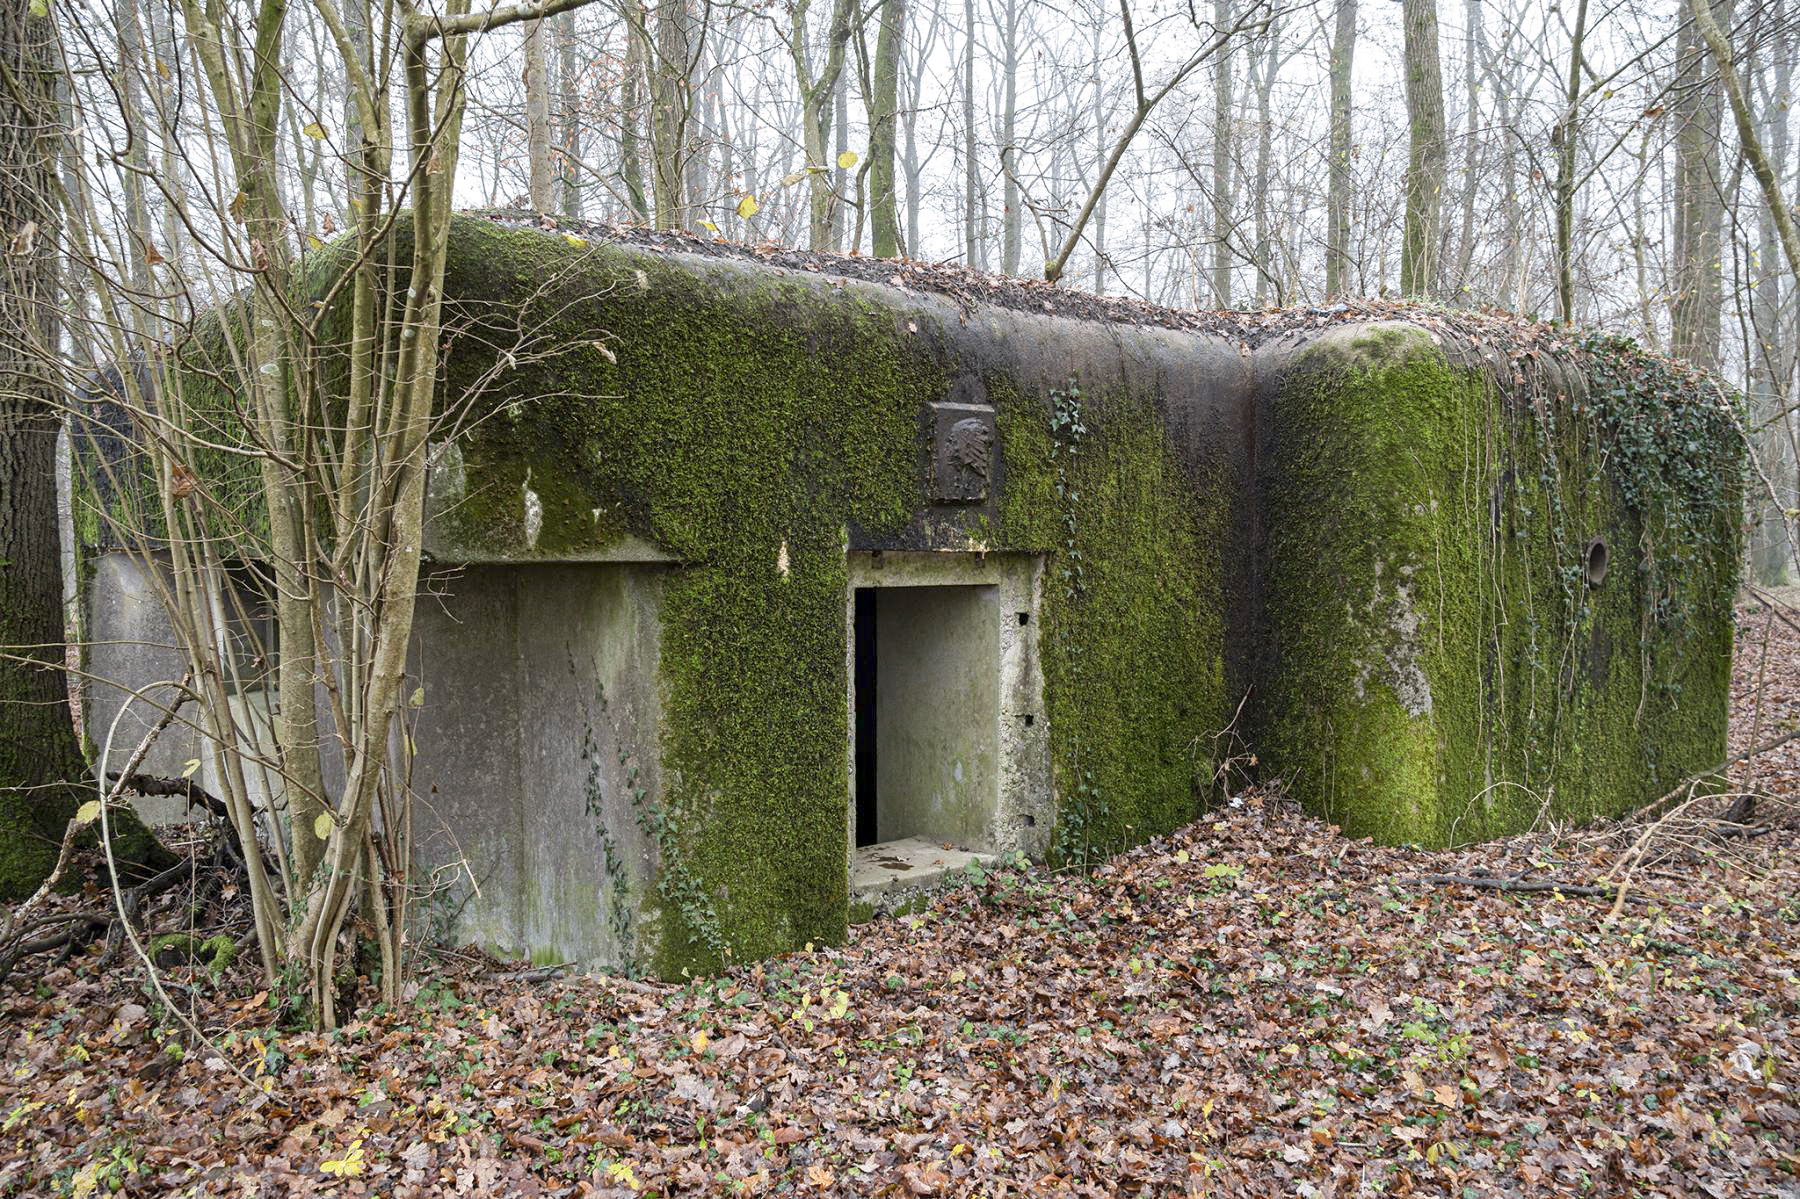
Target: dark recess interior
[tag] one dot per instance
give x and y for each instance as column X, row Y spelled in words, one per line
column 865, row 683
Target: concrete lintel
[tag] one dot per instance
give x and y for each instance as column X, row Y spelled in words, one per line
column 625, row 551
column 932, row 568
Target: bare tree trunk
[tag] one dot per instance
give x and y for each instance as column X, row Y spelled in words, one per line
column 162, row 41
column 1472, row 140
column 817, row 94
column 1512, row 211
column 840, row 144
column 1147, row 100
column 971, row 177
column 1265, row 150
column 1338, row 201
column 1013, row 230
column 631, row 153
column 1419, row 266
column 671, row 110
column 1099, row 97
column 1699, row 208
column 1565, row 138
column 1776, row 208
column 1774, row 289
column 40, row 763
column 1221, row 163
column 137, row 242
column 569, row 115
column 537, row 117
column 884, row 105
column 909, row 121
column 1640, row 240
column 43, row 775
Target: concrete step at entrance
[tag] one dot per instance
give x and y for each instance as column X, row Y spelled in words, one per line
column 907, row 865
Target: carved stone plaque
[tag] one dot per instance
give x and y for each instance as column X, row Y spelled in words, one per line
column 962, row 452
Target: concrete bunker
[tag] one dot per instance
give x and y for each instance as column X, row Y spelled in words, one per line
column 1103, row 547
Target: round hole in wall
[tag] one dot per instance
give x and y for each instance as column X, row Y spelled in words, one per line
column 1595, row 567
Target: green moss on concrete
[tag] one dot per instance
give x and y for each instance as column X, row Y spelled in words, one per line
column 1133, row 629
column 732, row 415
column 736, row 418
column 1441, row 669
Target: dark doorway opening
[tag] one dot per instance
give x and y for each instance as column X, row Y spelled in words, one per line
column 864, row 684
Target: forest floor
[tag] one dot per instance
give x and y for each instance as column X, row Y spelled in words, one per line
column 1253, row 1005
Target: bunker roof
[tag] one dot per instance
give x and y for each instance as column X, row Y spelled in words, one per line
column 1502, row 339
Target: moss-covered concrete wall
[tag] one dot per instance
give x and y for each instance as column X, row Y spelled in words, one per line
column 1381, row 534
column 1498, row 588
column 753, row 425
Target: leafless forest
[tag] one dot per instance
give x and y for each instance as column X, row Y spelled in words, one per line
column 1579, row 161
column 1619, row 167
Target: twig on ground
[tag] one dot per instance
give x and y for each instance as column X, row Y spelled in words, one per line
column 1521, row 884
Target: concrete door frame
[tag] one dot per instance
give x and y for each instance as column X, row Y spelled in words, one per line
column 1024, row 807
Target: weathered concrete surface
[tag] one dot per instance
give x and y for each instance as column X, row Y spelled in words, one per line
column 938, row 713
column 538, row 747
column 1439, row 660
column 135, row 664
column 638, row 722
column 764, row 430
column 909, row 865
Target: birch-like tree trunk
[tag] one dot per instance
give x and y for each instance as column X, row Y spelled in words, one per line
column 631, row 90
column 1472, row 131
column 1777, row 206
column 1772, row 360
column 840, row 145
column 1266, row 66
column 1100, row 143
column 971, row 172
column 1565, row 138
column 817, row 93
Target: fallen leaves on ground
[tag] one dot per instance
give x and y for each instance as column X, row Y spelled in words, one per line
column 1252, row 1006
